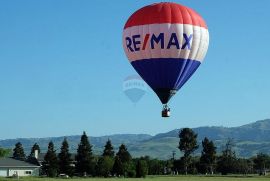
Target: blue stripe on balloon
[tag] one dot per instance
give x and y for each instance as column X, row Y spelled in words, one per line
column 166, row 73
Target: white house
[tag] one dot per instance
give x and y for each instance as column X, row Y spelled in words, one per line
column 10, row 167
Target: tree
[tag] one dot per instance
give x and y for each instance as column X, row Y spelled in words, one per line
column 105, row 166
column 33, row 149
column 130, row 169
column 187, row 144
column 227, row 161
column 4, row 152
column 141, row 168
column 108, row 149
column 85, row 164
column 122, row 164
column 243, row 166
column 18, row 152
column 32, row 158
column 118, row 168
column 50, row 161
column 123, row 154
column 65, row 159
column 125, row 159
column 262, row 161
column 154, row 166
column 208, row 156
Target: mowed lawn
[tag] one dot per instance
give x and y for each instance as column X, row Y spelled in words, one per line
column 150, row 178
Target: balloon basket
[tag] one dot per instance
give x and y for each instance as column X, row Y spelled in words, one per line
column 165, row 112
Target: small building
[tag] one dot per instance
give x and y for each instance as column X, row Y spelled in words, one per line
column 12, row 167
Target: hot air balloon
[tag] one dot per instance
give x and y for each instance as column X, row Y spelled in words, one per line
column 165, row 43
column 134, row 88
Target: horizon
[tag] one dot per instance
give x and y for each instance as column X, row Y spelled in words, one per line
column 62, row 70
column 114, row 134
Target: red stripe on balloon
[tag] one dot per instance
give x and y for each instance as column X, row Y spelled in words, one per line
column 165, row 13
column 145, row 41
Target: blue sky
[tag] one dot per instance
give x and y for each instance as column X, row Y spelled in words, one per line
column 62, row 67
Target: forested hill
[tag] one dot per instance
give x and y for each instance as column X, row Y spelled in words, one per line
column 257, row 131
column 249, row 139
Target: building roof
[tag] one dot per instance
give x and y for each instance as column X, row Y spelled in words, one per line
column 11, row 162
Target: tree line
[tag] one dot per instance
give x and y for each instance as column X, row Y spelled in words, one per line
column 86, row 163
column 210, row 162
column 121, row 164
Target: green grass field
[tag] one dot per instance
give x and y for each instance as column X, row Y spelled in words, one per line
column 151, row 178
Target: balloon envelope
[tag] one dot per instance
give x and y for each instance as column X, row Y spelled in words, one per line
column 165, row 43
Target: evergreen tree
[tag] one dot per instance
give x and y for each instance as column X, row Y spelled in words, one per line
column 31, row 158
column 118, row 168
column 33, row 149
column 50, row 161
column 108, row 149
column 187, row 144
column 85, row 164
column 123, row 154
column 208, row 156
column 64, row 158
column 125, row 159
column 141, row 168
column 105, row 164
column 18, row 152
column 227, row 161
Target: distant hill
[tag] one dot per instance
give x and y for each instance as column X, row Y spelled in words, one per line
column 249, row 139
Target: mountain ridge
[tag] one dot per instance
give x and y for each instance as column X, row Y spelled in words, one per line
column 249, row 139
